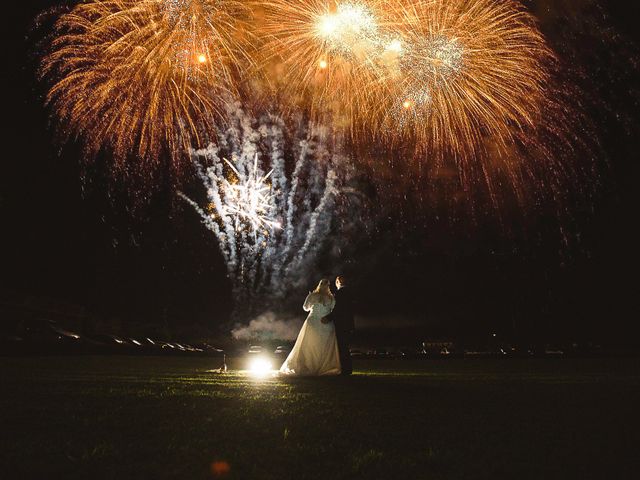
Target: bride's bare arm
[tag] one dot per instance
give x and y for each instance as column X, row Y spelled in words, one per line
column 308, row 303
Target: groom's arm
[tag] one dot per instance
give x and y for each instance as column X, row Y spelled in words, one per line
column 331, row 316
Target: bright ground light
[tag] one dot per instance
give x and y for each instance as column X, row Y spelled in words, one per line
column 260, row 367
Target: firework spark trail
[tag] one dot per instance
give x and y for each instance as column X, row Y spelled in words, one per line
column 308, row 188
column 223, row 228
column 322, row 187
column 243, row 141
column 268, row 262
column 318, row 225
column 289, row 226
column 272, row 131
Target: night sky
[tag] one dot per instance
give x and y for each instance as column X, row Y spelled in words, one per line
column 86, row 242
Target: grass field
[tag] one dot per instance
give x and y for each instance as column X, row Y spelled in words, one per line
column 163, row 417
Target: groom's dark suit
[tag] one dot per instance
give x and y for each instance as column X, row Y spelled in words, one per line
column 342, row 318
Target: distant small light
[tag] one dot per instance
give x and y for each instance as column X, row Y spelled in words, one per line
column 220, row 468
column 202, row 58
column 406, row 104
column 323, row 64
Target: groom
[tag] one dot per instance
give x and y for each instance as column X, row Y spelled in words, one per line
column 342, row 318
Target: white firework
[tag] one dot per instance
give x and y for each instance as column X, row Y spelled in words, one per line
column 250, row 199
column 271, row 223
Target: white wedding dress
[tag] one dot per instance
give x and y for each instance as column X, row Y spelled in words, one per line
column 316, row 349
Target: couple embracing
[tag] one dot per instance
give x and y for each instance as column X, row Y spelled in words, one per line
column 322, row 346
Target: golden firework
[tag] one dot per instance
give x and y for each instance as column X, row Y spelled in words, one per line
column 145, row 77
column 323, row 54
column 470, row 70
column 447, row 74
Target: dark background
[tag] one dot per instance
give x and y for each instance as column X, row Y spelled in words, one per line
column 67, row 241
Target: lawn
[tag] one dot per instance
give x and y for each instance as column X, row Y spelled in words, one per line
column 167, row 417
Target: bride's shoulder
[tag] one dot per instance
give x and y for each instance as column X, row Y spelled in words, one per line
column 311, row 298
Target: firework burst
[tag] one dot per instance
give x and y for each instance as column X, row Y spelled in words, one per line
column 249, row 198
column 141, row 78
column 270, row 235
column 326, row 54
column 469, row 70
column 445, row 74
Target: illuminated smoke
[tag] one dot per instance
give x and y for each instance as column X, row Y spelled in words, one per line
column 268, row 326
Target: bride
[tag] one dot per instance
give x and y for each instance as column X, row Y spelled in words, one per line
column 316, row 349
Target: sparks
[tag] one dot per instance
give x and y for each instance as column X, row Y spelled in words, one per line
column 394, row 45
column 250, row 201
column 352, row 26
column 305, row 37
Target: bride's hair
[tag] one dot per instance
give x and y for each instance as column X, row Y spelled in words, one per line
column 323, row 291
column 323, row 286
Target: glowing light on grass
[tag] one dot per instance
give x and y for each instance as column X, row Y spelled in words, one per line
column 260, row 367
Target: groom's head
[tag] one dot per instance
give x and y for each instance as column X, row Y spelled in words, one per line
column 340, row 281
